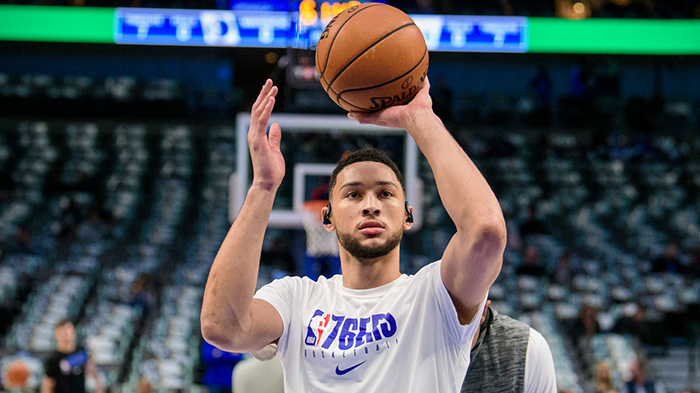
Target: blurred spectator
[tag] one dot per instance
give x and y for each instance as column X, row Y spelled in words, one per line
column 603, row 378
column 93, row 229
column 67, row 367
column 70, row 218
column 587, row 324
column 514, row 240
column 636, row 325
column 668, row 262
column 640, row 383
column 145, row 386
column 581, row 81
column 141, row 293
column 531, row 266
column 219, row 368
column 278, row 256
column 563, row 273
column 532, row 225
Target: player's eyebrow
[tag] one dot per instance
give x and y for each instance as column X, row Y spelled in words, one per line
column 379, row 183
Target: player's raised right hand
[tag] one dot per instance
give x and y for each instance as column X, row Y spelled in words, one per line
column 268, row 162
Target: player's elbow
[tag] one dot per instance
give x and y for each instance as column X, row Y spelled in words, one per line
column 490, row 238
column 216, row 335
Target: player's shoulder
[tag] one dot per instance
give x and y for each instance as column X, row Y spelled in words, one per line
column 431, row 268
column 536, row 339
column 306, row 282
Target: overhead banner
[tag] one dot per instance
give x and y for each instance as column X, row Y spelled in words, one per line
column 202, row 27
column 273, row 29
column 452, row 33
column 303, row 27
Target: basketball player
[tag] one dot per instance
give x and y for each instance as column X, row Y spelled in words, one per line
column 371, row 329
column 66, row 368
column 509, row 356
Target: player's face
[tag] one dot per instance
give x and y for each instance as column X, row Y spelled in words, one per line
column 368, row 210
column 65, row 334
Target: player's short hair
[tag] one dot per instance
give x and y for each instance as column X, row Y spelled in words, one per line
column 362, row 155
column 63, row 322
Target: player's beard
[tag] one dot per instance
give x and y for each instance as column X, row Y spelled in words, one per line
column 357, row 250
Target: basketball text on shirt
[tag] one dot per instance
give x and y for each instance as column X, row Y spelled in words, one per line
column 326, row 329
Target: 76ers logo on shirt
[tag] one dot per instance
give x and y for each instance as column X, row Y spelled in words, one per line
column 326, row 329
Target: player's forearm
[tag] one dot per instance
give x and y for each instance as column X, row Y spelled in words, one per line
column 233, row 275
column 467, row 197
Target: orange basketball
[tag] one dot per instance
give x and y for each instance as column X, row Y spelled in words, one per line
column 371, row 56
column 17, row 374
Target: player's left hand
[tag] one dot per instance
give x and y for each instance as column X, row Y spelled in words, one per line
column 400, row 116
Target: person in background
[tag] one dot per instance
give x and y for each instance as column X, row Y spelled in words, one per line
column 640, row 383
column 531, row 266
column 587, row 324
column 634, row 324
column 141, row 293
column 218, row 368
column 532, row 225
column 144, row 386
column 67, row 367
column 564, row 273
column 509, row 356
column 668, row 262
column 603, row 378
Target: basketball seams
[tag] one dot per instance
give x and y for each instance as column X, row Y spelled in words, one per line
column 330, row 46
column 387, row 35
column 425, row 52
column 337, row 100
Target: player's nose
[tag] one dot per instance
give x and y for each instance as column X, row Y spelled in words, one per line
column 371, row 205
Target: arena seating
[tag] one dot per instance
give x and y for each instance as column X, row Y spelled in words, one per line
column 162, row 189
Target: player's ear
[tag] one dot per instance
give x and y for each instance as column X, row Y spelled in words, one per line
column 408, row 222
column 327, row 222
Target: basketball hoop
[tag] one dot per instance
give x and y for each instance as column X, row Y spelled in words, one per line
column 319, row 242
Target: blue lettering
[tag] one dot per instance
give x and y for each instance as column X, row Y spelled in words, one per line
column 376, row 318
column 363, row 336
column 346, row 339
column 338, row 319
column 388, row 328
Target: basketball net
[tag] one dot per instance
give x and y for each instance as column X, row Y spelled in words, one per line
column 319, row 242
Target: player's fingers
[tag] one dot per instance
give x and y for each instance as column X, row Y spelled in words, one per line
column 362, row 118
column 263, row 94
column 275, row 136
column 266, row 111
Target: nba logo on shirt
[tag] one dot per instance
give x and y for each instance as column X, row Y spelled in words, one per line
column 317, row 325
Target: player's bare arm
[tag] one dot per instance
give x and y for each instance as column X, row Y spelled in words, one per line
column 472, row 260
column 231, row 319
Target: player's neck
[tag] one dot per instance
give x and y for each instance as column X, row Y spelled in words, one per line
column 367, row 274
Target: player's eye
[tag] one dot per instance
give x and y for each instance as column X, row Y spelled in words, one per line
column 352, row 195
column 386, row 193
